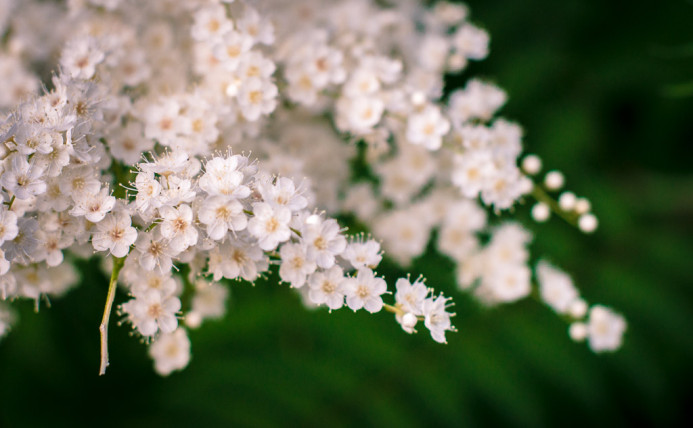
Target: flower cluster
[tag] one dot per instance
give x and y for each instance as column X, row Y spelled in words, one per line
column 204, row 141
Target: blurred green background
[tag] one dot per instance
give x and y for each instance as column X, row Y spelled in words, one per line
column 605, row 93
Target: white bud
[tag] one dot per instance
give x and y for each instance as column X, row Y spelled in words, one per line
column 193, row 319
column 541, row 212
column 554, row 180
column 567, row 201
column 418, row 98
column 578, row 331
column 313, row 219
column 409, row 321
column 588, row 223
column 526, row 185
column 582, row 206
column 531, row 164
column 578, row 308
column 456, row 62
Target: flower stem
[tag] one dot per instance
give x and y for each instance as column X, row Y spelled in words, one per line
column 103, row 328
column 541, row 196
column 394, row 309
column 9, row 204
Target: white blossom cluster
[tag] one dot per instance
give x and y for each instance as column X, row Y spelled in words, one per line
column 199, row 141
column 603, row 328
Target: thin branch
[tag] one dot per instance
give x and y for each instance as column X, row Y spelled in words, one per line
column 103, row 328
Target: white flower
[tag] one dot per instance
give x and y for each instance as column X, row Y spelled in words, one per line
column 324, row 241
column 326, row 287
column 4, row 268
column 477, row 100
column 605, row 329
column 258, row 27
column 257, row 97
column 164, row 121
column 115, row 234
column 295, row 265
column 93, row 206
column 283, row 193
column 470, row 41
column 50, row 246
column 436, row 318
column 362, row 253
column 8, row 225
column 509, row 283
column 254, row 64
column 141, row 283
column 171, row 162
column 23, row 245
column 176, row 225
column 154, row 251
column 231, row 47
column 504, row 188
column 78, row 180
column 170, row 352
column 80, row 58
column 556, row 287
column 269, row 225
column 210, row 23
column 364, row 291
column 237, row 259
column 151, row 312
column 427, row 128
column 223, row 177
column 148, row 192
column 128, row 144
column 410, row 297
column 220, row 215
column 472, row 171
column 209, row 302
column 362, row 82
column 326, row 65
column 361, row 113
column 22, row 178
column 404, row 234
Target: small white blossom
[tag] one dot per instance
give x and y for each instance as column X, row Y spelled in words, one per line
column 170, row 352
column 269, row 225
column 427, row 128
column 605, row 329
column 295, row 265
column 556, row 287
column 115, row 234
column 220, row 215
column 436, row 317
column 177, row 227
column 364, row 291
column 324, row 241
column 326, row 287
column 93, row 207
column 154, row 251
column 362, row 253
column 152, row 312
column 80, row 58
column 22, row 178
column 8, row 225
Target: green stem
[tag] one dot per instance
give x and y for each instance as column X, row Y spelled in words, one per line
column 103, row 328
column 540, row 195
column 9, row 204
column 393, row 309
column 296, row 231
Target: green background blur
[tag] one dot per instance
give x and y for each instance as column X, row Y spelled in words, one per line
column 605, row 93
